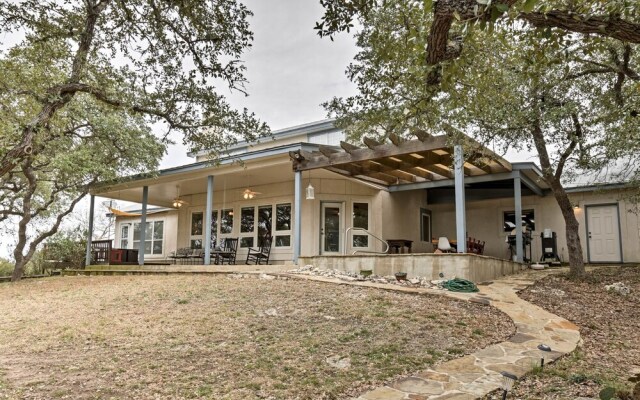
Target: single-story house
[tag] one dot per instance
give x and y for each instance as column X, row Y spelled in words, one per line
column 316, row 195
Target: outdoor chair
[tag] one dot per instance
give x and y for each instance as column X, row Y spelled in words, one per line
column 257, row 256
column 444, row 245
column 180, row 254
column 228, row 252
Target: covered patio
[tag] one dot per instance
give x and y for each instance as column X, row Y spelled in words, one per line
column 451, row 172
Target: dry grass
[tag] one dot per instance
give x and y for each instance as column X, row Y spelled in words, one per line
column 213, row 337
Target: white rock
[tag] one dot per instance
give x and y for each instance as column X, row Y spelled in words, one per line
column 271, row 312
column 236, row 276
column 329, row 317
column 414, row 281
column 267, row 277
column 619, row 288
column 339, row 362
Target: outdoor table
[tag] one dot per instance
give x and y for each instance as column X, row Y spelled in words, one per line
column 397, row 246
column 218, row 253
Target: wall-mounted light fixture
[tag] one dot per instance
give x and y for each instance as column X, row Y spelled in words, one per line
column 310, row 190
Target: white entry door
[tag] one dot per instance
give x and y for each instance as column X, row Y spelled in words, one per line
column 603, row 233
column 331, row 228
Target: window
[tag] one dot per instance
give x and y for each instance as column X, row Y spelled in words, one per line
column 124, row 236
column 257, row 224
column 226, row 222
column 528, row 220
column 247, row 226
column 425, row 225
column 153, row 239
column 197, row 224
column 197, row 229
column 360, row 220
column 264, row 223
column 283, row 225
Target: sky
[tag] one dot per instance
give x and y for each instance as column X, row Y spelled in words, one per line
column 290, row 69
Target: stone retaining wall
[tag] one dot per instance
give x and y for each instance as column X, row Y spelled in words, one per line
column 467, row 266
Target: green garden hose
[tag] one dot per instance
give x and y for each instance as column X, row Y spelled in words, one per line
column 460, row 285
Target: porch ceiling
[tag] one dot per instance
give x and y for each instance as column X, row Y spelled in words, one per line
column 231, row 180
column 426, row 159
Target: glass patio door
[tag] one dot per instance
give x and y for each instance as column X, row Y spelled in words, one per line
column 331, row 228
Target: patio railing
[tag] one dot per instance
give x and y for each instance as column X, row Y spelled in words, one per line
column 346, row 240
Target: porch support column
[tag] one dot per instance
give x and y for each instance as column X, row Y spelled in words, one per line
column 87, row 260
column 517, row 194
column 207, row 221
column 461, row 218
column 143, row 224
column 297, row 200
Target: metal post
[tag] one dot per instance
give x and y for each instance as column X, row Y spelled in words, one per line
column 517, row 194
column 143, row 225
column 87, row 260
column 297, row 199
column 207, row 221
column 461, row 218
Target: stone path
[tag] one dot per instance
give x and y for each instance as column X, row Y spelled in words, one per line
column 477, row 374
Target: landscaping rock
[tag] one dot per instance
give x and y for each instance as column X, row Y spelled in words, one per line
column 418, row 281
column 339, row 362
column 271, row 312
column 267, row 277
column 619, row 288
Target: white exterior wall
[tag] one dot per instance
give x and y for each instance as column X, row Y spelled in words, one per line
column 485, row 219
column 170, row 237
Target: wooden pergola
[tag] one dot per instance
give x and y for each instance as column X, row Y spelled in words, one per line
column 424, row 160
column 428, row 158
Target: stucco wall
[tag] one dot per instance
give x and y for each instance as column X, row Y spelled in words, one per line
column 401, row 218
column 466, row 266
column 485, row 219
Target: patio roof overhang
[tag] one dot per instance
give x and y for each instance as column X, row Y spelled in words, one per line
column 423, row 163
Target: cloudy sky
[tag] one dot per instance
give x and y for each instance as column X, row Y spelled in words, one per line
column 290, row 69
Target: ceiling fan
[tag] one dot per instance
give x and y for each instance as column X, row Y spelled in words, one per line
column 177, row 201
column 248, row 194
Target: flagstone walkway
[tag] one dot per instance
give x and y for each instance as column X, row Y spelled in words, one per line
column 477, row 374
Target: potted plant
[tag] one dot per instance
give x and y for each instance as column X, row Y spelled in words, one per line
column 401, row 276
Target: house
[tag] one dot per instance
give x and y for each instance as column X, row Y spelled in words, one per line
column 315, row 195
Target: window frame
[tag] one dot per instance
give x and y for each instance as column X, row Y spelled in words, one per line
column 150, row 237
column 352, row 224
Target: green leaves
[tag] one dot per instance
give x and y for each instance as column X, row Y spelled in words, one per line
column 529, row 5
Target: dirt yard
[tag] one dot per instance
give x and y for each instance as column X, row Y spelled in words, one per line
column 180, row 337
column 610, row 328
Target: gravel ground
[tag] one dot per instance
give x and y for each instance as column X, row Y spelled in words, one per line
column 610, row 328
column 178, row 337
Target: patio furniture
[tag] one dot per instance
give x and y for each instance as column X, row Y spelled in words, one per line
column 398, row 246
column 475, row 246
column 259, row 255
column 196, row 255
column 228, row 252
column 444, row 245
column 180, row 254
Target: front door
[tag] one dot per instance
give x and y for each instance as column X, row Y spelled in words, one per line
column 331, row 228
column 603, row 233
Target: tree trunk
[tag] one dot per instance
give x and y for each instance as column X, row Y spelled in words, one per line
column 576, row 259
column 18, row 270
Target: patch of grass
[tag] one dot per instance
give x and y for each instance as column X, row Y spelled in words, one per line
column 455, row 350
column 220, row 344
column 478, row 332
